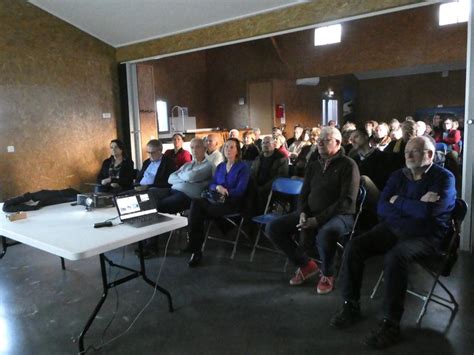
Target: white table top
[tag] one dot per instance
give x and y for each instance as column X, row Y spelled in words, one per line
column 68, row 231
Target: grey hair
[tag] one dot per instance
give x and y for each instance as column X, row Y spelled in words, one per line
column 155, row 143
column 333, row 131
column 428, row 143
column 199, row 141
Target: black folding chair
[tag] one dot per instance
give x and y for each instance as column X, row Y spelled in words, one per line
column 439, row 265
column 237, row 220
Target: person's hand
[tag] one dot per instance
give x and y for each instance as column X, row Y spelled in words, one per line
column 114, row 185
column 393, row 199
column 222, row 190
column 106, row 181
column 430, row 196
column 311, row 222
column 302, row 220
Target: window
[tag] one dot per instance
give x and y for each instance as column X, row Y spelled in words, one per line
column 329, row 111
column 453, row 12
column 327, row 35
column 162, row 113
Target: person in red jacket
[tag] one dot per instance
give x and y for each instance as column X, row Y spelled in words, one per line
column 178, row 154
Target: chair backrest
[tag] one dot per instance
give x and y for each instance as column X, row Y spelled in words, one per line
column 285, row 186
column 451, row 245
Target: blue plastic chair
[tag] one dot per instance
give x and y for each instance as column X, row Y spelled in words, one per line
column 286, row 186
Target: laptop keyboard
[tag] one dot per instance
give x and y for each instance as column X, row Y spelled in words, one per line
column 147, row 220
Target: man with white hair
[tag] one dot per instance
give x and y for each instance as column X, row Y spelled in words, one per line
column 213, row 155
column 420, row 128
column 326, row 211
column 414, row 211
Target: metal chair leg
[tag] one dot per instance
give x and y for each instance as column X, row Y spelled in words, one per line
column 252, row 255
column 237, row 238
column 377, row 285
column 206, row 236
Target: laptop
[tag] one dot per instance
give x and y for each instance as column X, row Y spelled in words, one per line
column 138, row 209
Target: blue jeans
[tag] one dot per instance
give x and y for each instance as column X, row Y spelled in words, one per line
column 282, row 230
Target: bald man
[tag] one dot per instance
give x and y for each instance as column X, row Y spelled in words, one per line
column 213, row 155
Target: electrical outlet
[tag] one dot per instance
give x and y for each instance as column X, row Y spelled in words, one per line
column 10, row 149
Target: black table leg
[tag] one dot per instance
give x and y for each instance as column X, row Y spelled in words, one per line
column 99, row 305
column 106, row 286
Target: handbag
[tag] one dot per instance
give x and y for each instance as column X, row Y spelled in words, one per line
column 213, row 196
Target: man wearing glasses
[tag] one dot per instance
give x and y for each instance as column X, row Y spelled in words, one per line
column 414, row 211
column 326, row 210
column 156, row 169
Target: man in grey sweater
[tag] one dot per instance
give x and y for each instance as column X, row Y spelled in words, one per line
column 187, row 182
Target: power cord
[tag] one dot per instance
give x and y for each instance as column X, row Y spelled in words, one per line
column 102, row 345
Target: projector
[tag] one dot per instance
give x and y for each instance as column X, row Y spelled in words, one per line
column 95, row 200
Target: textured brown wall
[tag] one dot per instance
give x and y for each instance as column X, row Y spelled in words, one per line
column 182, row 81
column 55, row 82
column 310, row 13
column 387, row 98
column 403, row 39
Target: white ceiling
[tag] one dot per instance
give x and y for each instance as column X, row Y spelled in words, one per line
column 122, row 22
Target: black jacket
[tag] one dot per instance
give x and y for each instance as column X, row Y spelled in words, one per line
column 167, row 166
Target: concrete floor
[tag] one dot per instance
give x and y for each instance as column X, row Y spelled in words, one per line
column 224, row 307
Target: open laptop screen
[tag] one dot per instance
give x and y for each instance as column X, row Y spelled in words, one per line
column 134, row 205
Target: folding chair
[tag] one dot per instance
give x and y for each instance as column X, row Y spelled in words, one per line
column 361, row 196
column 285, row 186
column 439, row 265
column 237, row 220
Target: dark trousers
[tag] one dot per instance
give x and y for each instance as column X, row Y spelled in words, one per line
column 169, row 200
column 399, row 252
column 200, row 211
column 326, row 237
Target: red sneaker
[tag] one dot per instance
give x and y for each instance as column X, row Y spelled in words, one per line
column 304, row 273
column 325, row 284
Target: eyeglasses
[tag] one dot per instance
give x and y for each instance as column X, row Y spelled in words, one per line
column 415, row 151
column 324, row 140
column 152, row 152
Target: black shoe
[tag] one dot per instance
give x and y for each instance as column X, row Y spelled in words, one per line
column 347, row 315
column 387, row 335
column 195, row 259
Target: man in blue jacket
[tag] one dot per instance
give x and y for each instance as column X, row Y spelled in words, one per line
column 414, row 211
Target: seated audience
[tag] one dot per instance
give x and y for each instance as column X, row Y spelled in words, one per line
column 213, row 155
column 381, row 138
column 295, row 147
column 258, row 140
column 297, row 135
column 372, row 166
column 420, row 128
column 395, row 149
column 332, row 123
column 178, row 154
column 437, row 124
column 308, row 154
column 249, row 149
column 370, row 128
column 230, row 180
column 186, row 183
column 414, row 212
column 395, row 130
column 346, row 132
column 234, row 133
column 269, row 165
column 280, row 143
column 116, row 173
column 276, row 131
column 450, row 136
column 157, row 168
column 326, row 211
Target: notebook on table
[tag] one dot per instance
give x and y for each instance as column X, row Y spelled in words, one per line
column 138, row 209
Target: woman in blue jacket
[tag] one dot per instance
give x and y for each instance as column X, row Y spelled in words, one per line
column 230, row 180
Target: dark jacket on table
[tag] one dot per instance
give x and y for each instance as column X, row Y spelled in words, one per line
column 330, row 188
column 126, row 173
column 167, row 166
column 409, row 217
column 374, row 165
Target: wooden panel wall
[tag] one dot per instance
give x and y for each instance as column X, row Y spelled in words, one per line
column 55, row 83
